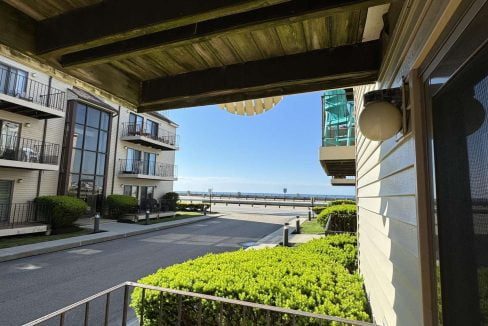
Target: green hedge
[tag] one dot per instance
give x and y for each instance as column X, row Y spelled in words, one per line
column 344, row 217
column 342, row 202
column 171, row 199
column 61, row 211
column 318, row 209
column 309, row 278
column 342, row 248
column 119, row 205
column 187, row 207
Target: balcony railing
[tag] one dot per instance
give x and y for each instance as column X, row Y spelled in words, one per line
column 28, row 150
column 13, row 215
column 148, row 130
column 150, row 168
column 187, row 308
column 19, row 85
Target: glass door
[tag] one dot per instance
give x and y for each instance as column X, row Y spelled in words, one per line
column 5, row 198
column 9, row 140
column 460, row 150
column 149, row 163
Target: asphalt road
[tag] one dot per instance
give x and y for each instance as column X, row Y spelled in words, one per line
column 35, row 286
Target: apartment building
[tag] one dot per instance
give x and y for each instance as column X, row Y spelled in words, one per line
column 58, row 139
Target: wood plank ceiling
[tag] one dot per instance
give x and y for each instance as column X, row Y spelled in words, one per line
column 202, row 42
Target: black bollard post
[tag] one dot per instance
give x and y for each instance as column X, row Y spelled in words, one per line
column 297, row 225
column 96, row 223
column 147, row 217
column 285, row 235
column 309, row 215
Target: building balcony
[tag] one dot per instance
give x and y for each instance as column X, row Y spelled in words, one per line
column 139, row 169
column 147, row 135
column 22, row 95
column 338, row 161
column 22, row 218
column 25, row 153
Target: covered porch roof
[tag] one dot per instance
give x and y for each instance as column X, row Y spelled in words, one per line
column 156, row 55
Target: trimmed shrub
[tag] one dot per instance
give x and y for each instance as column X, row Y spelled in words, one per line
column 343, row 217
column 342, row 248
column 318, row 209
column 119, row 205
column 61, row 211
column 171, row 200
column 342, row 202
column 187, row 207
column 308, row 278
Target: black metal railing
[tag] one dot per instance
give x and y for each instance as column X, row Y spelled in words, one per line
column 147, row 130
column 186, row 308
column 12, row 215
column 21, row 86
column 147, row 168
column 28, row 150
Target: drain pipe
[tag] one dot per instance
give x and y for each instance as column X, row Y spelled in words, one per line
column 44, row 132
column 115, row 151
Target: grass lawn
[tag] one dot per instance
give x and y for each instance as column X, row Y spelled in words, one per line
column 179, row 216
column 312, row 227
column 20, row 240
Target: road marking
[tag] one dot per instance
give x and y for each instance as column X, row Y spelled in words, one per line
column 84, row 251
column 214, row 222
column 28, row 267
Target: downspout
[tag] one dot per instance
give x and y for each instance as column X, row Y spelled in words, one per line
column 44, row 132
column 115, row 151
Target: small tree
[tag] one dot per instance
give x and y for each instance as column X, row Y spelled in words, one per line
column 171, row 199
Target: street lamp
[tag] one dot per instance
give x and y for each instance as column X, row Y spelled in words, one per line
column 210, row 198
column 284, row 193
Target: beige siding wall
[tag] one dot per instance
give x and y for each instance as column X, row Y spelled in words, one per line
column 387, row 226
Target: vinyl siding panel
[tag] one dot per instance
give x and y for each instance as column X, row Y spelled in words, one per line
column 387, row 226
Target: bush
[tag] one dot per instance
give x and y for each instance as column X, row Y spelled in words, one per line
column 308, row 278
column 342, row 248
column 318, row 209
column 61, row 211
column 119, row 205
column 343, row 217
column 342, row 202
column 187, row 207
column 171, row 200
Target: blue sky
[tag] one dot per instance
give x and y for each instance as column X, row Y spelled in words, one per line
column 262, row 153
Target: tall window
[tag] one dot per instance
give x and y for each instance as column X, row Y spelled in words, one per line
column 149, row 163
column 135, row 124
column 151, row 128
column 133, row 163
column 89, row 151
column 13, row 81
column 147, row 192
column 130, row 190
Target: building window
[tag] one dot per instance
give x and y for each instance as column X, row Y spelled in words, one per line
column 89, row 152
column 130, row 190
column 147, row 192
column 149, row 163
column 136, row 124
column 151, row 129
column 13, row 81
column 133, row 162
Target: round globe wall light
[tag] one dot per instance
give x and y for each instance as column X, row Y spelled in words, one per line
column 381, row 117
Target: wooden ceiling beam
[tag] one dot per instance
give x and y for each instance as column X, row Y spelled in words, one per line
column 115, row 20
column 343, row 66
column 283, row 13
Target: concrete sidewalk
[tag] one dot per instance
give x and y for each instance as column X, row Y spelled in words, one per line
column 113, row 230
column 275, row 238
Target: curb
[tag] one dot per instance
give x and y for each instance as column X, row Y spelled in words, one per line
column 109, row 237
